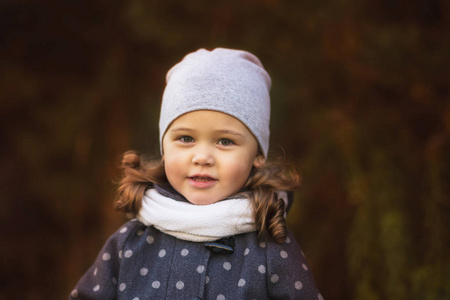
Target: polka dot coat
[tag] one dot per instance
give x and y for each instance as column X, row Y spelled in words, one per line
column 139, row 262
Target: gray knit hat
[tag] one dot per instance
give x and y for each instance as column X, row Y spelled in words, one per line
column 225, row 80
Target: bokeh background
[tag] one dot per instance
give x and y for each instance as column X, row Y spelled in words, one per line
column 360, row 104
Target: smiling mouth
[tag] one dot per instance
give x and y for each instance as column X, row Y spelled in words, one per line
column 202, row 179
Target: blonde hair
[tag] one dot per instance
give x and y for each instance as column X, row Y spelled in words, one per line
column 261, row 187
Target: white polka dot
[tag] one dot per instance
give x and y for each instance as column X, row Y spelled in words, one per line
column 274, row 278
column 288, row 240
column 74, row 293
column 200, row 269
column 122, row 287
column 162, row 253
column 156, row 284
column 139, row 233
column 128, row 253
column 246, row 251
column 262, row 245
column 120, row 253
column 96, row 288
column 283, row 254
column 114, row 280
column 305, row 267
column 150, row 240
column 184, row 252
column 106, row 256
column 227, row 266
column 206, row 279
column 298, row 285
column 123, row 230
column 180, row 285
column 241, row 282
column 95, row 271
column 220, row 297
column 136, row 298
column 262, row 269
column 144, row 271
column 319, row 297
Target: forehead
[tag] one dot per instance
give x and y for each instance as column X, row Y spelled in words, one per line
column 208, row 119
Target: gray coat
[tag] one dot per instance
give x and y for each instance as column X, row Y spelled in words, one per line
column 139, row 262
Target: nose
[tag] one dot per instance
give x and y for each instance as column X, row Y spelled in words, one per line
column 203, row 157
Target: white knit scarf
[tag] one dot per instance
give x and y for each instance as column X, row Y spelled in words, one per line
column 197, row 223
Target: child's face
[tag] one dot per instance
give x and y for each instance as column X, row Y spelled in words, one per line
column 208, row 155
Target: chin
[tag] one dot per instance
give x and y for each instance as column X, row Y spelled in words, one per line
column 201, row 200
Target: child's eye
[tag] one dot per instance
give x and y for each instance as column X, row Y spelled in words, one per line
column 186, row 139
column 226, row 142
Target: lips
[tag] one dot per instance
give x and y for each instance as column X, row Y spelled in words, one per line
column 202, row 181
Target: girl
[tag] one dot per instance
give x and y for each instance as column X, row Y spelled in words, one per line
column 210, row 217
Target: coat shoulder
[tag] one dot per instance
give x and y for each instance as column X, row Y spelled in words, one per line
column 289, row 275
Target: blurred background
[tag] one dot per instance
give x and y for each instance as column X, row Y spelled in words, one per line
column 360, row 104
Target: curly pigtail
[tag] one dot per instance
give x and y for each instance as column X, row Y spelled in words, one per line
column 137, row 177
column 268, row 209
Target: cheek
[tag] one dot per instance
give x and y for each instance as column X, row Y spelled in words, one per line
column 238, row 169
column 237, row 177
column 171, row 166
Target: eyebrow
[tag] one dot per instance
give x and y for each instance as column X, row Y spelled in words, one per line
column 224, row 131
column 229, row 132
column 181, row 129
